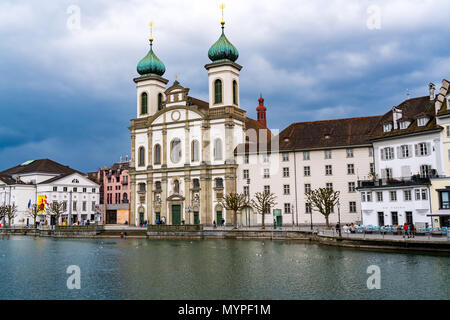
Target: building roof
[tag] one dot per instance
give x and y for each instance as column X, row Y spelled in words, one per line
column 412, row 109
column 39, row 166
column 329, row 133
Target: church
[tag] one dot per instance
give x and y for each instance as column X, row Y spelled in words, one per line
column 183, row 159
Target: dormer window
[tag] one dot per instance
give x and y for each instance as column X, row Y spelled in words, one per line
column 387, row 127
column 421, row 122
column 404, row 124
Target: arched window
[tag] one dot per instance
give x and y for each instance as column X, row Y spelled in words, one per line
column 160, row 101
column 125, row 198
column 194, row 151
column 218, row 91
column 176, row 187
column 218, row 149
column 141, row 159
column 196, row 183
column 144, row 102
column 157, row 154
column 235, row 92
column 175, row 150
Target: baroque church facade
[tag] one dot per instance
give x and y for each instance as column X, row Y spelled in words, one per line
column 183, row 148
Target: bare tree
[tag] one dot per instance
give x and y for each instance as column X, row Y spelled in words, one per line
column 262, row 203
column 234, row 202
column 2, row 212
column 323, row 200
column 56, row 209
column 11, row 213
column 33, row 211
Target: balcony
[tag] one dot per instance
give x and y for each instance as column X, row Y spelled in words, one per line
column 394, row 182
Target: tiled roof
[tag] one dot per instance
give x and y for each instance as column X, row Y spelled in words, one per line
column 39, row 166
column 413, row 109
column 329, row 133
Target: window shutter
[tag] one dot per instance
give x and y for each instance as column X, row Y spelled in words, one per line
column 416, row 147
column 428, row 148
column 383, row 173
column 392, row 153
column 399, row 153
column 383, row 154
column 409, row 151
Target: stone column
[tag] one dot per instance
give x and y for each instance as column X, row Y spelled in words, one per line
column 150, row 149
column 150, row 216
column 187, row 195
column 206, row 154
column 230, row 187
column 133, row 149
column 229, row 141
column 164, row 198
column 205, row 198
column 133, row 200
column 187, row 149
column 164, row 148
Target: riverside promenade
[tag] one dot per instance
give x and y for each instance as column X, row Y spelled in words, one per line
column 319, row 235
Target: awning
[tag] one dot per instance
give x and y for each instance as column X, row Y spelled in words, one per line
column 440, row 213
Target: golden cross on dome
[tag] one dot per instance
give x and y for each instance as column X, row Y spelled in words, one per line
column 151, row 30
column 222, row 7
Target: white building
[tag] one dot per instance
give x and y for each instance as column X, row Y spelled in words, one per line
column 22, row 185
column 408, row 151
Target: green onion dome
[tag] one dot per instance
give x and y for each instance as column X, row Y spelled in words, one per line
column 223, row 49
column 151, row 65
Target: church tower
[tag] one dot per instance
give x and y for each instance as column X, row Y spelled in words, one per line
column 223, row 72
column 150, row 85
column 261, row 112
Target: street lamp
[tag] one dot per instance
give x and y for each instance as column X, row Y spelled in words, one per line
column 189, row 211
column 339, row 218
column 292, row 212
column 248, row 204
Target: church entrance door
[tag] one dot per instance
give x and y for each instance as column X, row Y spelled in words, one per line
column 176, row 214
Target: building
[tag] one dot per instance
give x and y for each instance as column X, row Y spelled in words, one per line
column 408, row 153
column 309, row 155
column 24, row 184
column 115, row 188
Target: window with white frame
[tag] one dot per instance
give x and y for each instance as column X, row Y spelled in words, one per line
column 351, row 187
column 265, row 158
column 246, row 190
column 266, row 189
column 421, row 122
column 369, row 196
column 405, row 153
column 285, row 172
column 372, row 167
column 404, row 125
column 327, row 154
column 266, row 173
column 287, row 208
column 307, row 188
column 387, row 153
column 328, row 170
column 363, row 196
column 425, row 171
column 306, row 155
column 417, row 192
column 246, row 174
column 246, row 158
column 308, row 208
column 424, row 194
column 352, row 206
column 349, row 153
column 379, row 196
column 307, row 171
column 387, row 127
column 329, row 186
column 350, row 168
column 422, row 149
column 407, row 195
column 393, row 195
column 285, row 156
column 286, row 189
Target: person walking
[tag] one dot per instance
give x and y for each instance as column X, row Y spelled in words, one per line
column 412, row 230
column 215, row 225
column 405, row 229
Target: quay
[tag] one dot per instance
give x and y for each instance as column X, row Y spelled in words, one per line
column 384, row 242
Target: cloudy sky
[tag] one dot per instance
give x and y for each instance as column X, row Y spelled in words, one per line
column 66, row 93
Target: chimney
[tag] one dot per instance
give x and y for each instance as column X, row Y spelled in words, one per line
column 432, row 89
column 261, row 112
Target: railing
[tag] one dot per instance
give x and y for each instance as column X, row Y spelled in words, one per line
column 401, row 181
column 171, row 228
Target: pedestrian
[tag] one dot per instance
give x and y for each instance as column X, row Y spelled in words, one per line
column 338, row 227
column 223, row 222
column 413, row 231
column 215, row 225
column 405, row 228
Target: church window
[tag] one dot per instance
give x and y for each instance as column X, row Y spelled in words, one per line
column 160, row 101
column 157, row 154
column 144, row 102
column 218, row 149
column 175, row 150
column 218, row 91
column 141, row 160
column 194, row 151
column 235, row 92
column 176, row 186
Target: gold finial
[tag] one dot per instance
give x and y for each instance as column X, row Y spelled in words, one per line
column 151, row 31
column 222, row 7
